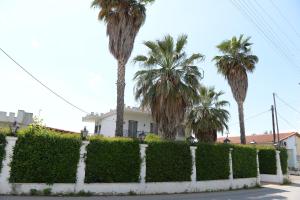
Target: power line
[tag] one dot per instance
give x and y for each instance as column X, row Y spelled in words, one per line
column 287, row 122
column 253, row 116
column 288, row 105
column 44, row 85
column 285, row 19
column 277, row 25
column 265, row 24
column 267, row 28
column 269, row 37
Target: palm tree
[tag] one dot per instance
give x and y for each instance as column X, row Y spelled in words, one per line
column 168, row 83
column 237, row 60
column 123, row 18
column 208, row 115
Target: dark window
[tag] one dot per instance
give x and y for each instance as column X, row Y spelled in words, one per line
column 132, row 128
column 153, row 128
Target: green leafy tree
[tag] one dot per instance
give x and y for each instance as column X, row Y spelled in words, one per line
column 123, row 19
column 208, row 115
column 168, row 83
column 235, row 62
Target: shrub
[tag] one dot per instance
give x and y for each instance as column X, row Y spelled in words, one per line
column 267, row 161
column 212, row 161
column 5, row 131
column 43, row 156
column 112, row 160
column 2, row 148
column 151, row 137
column 283, row 160
column 168, row 161
column 244, row 162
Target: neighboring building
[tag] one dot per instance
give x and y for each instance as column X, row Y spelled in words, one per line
column 136, row 121
column 289, row 140
column 23, row 119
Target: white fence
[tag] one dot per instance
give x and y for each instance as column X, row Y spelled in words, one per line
column 142, row 187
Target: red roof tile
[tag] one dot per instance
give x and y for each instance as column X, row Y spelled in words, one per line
column 259, row 139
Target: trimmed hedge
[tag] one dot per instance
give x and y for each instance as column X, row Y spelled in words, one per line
column 212, row 161
column 112, row 160
column 244, row 162
column 267, row 161
column 168, row 161
column 2, row 148
column 283, row 160
column 43, row 156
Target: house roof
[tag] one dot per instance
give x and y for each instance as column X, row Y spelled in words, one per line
column 95, row 116
column 61, row 130
column 259, row 139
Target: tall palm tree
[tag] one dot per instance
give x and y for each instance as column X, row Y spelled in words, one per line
column 208, row 115
column 237, row 60
column 124, row 19
column 168, row 83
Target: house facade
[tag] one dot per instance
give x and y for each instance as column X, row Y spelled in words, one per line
column 136, row 121
column 22, row 119
column 291, row 141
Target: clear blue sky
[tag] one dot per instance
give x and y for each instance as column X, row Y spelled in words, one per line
column 63, row 44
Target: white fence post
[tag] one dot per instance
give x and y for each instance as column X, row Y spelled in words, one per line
column 194, row 173
column 258, row 172
column 278, row 166
column 230, row 166
column 143, row 164
column 80, row 175
column 5, row 186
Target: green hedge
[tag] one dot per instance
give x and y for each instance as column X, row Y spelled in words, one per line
column 112, row 160
column 168, row 161
column 267, row 161
column 212, row 161
column 283, row 160
column 43, row 156
column 2, row 148
column 244, row 162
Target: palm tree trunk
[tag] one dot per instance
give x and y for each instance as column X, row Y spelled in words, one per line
column 242, row 124
column 120, row 98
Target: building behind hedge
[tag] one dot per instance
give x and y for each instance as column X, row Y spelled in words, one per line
column 136, row 121
column 23, row 119
column 291, row 141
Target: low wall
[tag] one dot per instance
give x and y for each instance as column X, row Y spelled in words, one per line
column 122, row 188
column 275, row 178
column 137, row 188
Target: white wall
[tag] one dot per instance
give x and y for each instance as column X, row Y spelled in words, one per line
column 108, row 124
column 291, row 145
column 119, row 188
column 143, row 120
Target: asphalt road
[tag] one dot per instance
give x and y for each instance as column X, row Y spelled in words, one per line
column 267, row 192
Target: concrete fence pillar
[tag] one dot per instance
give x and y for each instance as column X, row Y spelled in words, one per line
column 230, row 165
column 143, row 148
column 278, row 166
column 257, row 166
column 5, row 186
column 80, row 175
column 194, row 172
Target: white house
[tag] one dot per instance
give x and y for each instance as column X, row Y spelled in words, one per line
column 136, row 121
column 23, row 119
column 290, row 140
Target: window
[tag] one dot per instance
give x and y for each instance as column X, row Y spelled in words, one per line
column 132, row 128
column 153, row 128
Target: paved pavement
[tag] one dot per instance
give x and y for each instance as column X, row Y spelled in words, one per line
column 267, row 192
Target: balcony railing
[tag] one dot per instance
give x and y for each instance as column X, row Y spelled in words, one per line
column 127, row 133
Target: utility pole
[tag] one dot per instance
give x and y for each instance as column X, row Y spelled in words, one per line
column 275, row 109
column 273, row 124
